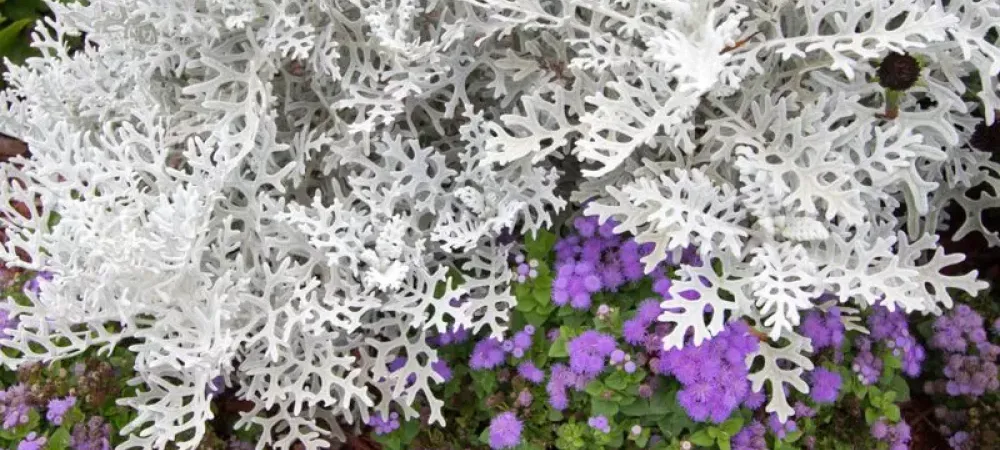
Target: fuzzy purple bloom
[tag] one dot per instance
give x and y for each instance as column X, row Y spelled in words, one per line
column 824, row 385
column 505, row 431
column 57, row 408
column 530, row 372
column 32, row 442
column 487, row 354
column 94, row 434
column 599, row 423
column 588, row 352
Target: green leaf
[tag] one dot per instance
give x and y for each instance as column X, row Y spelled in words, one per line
column 617, row 380
column 732, row 426
column 411, row 428
column 539, row 244
column 607, row 408
column 10, row 36
column 723, row 441
column 542, row 294
column 701, row 438
column 901, row 388
column 58, row 440
column 892, row 413
column 870, row 416
column 558, row 348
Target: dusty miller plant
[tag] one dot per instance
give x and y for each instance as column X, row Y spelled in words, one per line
column 283, row 191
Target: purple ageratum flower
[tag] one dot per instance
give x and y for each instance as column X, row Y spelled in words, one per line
column 714, row 374
column 892, row 328
column 57, row 408
column 754, row 400
column 487, row 354
column 505, row 431
column 587, row 352
column 599, row 423
column 617, row 356
column 383, row 426
column 524, row 398
column 530, row 372
column 94, row 434
column 635, row 332
column 235, row 444
column 6, row 323
column 824, row 385
column 751, row 437
column 781, row 429
column 34, row 286
column 14, row 403
column 648, row 311
column 32, row 442
column 824, row 329
column 958, row 440
column 629, row 367
column 441, row 368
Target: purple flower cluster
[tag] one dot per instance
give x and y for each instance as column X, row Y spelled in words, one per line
column 34, row 285
column 826, row 330
column 751, row 437
column 593, row 260
column 6, row 323
column 588, row 353
column 15, row 405
column 505, row 431
column 824, row 385
column 896, row 436
column 530, row 372
column 237, row 444
column 57, row 408
column 956, row 331
column 599, row 423
column 32, row 442
column 865, row 363
column 94, row 434
column 779, row 428
column 713, row 374
column 490, row 353
column 892, row 329
column 526, row 270
column 635, row 331
column 383, row 426
column 449, row 337
column 970, row 358
column 561, row 379
column 487, row 354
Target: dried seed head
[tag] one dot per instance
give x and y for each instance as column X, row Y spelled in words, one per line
column 986, row 137
column 898, row 71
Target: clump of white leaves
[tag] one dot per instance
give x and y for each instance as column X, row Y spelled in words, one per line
column 282, row 191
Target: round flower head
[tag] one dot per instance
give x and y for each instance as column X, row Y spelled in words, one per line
column 824, row 385
column 587, row 352
column 599, row 423
column 505, row 431
column 530, row 372
column 487, row 354
column 898, row 71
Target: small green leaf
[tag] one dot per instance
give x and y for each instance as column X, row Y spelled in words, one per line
column 558, row 348
column 870, row 416
column 58, row 440
column 701, row 438
column 732, row 426
column 723, row 441
column 617, row 380
column 892, row 413
column 605, row 408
